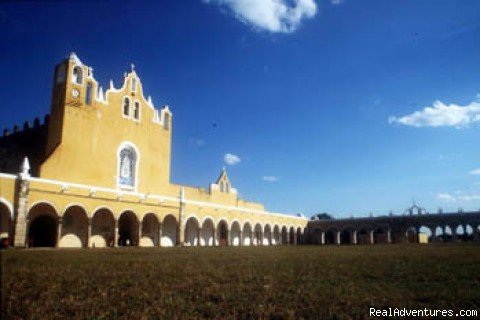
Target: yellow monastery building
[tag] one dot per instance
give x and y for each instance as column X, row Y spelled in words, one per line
column 96, row 173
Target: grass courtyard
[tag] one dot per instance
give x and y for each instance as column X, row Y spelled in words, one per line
column 249, row 282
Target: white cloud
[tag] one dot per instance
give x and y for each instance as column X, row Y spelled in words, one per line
column 335, row 2
column 445, row 197
column 231, row 159
column 271, row 15
column 475, row 172
column 270, row 178
column 459, row 197
column 440, row 114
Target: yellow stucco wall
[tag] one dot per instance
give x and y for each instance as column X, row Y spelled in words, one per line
column 61, row 198
column 92, row 134
column 7, row 191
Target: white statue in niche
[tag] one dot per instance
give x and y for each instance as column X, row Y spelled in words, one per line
column 125, row 172
column 127, row 161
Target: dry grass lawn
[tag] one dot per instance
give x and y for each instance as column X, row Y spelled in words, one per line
column 237, row 283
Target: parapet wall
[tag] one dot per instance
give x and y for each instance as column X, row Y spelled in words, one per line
column 27, row 141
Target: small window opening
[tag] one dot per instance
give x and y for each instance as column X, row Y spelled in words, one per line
column 134, row 84
column 88, row 96
column 126, row 107
column 77, row 75
column 136, row 111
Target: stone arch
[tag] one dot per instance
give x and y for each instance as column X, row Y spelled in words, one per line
column 292, row 236
column 447, row 233
column 363, row 236
column 128, row 229
column 267, row 235
column 150, row 227
column 169, row 231
column 299, row 235
column 318, row 236
column 459, row 231
column 42, row 225
column 468, row 232
column 438, row 233
column 47, row 205
column 247, row 234
column 424, row 234
column 8, row 205
column 346, row 236
column 77, row 75
column 5, row 225
column 205, row 218
column 380, row 235
column 222, row 233
column 208, row 232
column 191, row 231
column 235, row 234
column 74, row 228
column 276, row 235
column 257, row 234
column 331, row 236
column 396, row 233
column 103, row 229
column 284, row 235
column 411, row 234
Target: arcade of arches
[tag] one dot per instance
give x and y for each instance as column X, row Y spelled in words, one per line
column 76, row 228
column 385, row 234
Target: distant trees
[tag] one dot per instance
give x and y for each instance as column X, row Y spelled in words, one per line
column 322, row 216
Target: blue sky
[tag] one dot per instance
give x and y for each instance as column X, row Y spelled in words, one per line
column 348, row 107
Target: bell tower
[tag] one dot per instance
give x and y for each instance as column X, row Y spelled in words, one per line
column 70, row 88
column 115, row 139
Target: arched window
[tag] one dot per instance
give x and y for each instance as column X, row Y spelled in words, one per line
column 126, row 107
column 77, row 75
column 134, row 84
column 136, row 111
column 127, row 167
column 227, row 187
column 88, row 95
column 222, row 189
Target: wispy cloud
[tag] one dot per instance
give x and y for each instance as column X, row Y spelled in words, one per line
column 475, row 172
column 440, row 114
column 270, row 178
column 231, row 159
column 272, row 15
column 446, row 197
column 335, row 2
column 459, row 197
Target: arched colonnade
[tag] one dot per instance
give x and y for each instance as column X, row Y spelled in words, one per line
column 76, row 228
column 386, row 234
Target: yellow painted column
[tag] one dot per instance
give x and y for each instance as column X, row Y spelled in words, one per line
column 89, row 232
column 199, row 236
column 59, row 231
column 159, row 234
column 116, row 236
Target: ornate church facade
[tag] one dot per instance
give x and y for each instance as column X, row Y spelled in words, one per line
column 96, row 173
